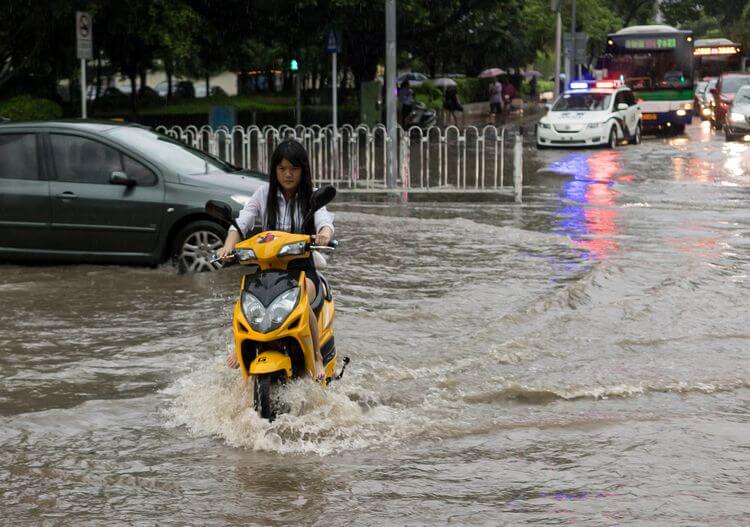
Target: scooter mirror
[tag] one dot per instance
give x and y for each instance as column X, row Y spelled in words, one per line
column 322, row 197
column 219, row 210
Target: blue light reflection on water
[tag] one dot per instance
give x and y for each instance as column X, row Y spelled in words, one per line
column 586, row 213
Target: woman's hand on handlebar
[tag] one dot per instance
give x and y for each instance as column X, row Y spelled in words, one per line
column 323, row 238
column 224, row 252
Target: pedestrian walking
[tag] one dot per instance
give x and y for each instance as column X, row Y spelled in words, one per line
column 406, row 98
column 533, row 95
column 496, row 97
column 452, row 104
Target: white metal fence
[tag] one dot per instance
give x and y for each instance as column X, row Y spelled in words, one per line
column 355, row 158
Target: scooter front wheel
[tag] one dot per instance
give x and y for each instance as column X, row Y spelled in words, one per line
column 265, row 395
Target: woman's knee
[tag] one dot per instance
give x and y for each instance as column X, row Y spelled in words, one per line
column 310, row 286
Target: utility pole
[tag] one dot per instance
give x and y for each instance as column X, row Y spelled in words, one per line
column 390, row 92
column 573, row 70
column 555, row 6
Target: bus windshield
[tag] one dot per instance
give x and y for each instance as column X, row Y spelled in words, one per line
column 582, row 102
column 650, row 70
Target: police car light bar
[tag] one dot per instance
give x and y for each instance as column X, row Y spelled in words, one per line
column 586, row 85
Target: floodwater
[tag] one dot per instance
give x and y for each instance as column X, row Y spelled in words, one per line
column 581, row 359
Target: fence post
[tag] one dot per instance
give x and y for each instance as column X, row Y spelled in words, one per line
column 518, row 168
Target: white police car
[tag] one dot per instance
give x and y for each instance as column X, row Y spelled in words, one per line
column 591, row 113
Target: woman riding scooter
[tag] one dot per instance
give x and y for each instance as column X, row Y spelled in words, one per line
column 282, row 205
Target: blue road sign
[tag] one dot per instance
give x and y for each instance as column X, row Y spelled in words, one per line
column 332, row 42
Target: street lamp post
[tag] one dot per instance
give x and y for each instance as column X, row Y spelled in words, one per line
column 390, row 92
column 555, row 6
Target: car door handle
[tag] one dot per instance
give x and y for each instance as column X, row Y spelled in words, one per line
column 67, row 195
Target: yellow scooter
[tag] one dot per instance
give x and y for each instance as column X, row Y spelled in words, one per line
column 271, row 323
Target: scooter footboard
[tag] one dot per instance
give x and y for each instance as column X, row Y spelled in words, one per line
column 271, row 362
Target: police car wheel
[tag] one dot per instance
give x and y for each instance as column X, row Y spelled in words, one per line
column 636, row 139
column 613, row 138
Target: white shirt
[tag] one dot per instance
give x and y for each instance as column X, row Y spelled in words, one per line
column 255, row 209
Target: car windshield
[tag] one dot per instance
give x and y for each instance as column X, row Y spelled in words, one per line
column 582, row 102
column 732, row 84
column 176, row 155
column 743, row 95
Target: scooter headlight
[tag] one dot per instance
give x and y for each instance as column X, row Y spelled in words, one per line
column 265, row 320
column 244, row 255
column 253, row 309
column 292, row 249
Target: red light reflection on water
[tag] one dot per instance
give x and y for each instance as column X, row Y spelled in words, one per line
column 600, row 212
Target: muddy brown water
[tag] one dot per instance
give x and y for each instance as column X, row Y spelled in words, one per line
column 581, row 359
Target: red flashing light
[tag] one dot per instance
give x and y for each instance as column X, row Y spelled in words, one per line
column 605, row 84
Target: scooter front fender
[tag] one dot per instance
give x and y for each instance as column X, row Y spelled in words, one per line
column 271, row 362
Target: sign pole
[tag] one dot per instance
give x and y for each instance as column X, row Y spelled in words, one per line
column 83, row 88
column 335, row 88
column 299, row 103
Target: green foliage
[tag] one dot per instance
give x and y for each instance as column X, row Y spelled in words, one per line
column 28, row 108
column 472, row 90
column 429, row 94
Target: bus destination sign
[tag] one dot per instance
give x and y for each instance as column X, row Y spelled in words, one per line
column 651, row 43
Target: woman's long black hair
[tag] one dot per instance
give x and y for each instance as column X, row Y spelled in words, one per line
column 295, row 153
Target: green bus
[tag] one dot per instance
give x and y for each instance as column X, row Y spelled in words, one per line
column 656, row 62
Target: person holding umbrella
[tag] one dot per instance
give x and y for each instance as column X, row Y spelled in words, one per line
column 451, row 103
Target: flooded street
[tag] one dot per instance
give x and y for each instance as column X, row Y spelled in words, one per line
column 580, row 359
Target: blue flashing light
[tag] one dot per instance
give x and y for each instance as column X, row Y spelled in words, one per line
column 579, row 85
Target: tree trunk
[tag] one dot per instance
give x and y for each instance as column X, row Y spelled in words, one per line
column 169, row 84
column 98, row 77
column 143, row 75
column 133, row 107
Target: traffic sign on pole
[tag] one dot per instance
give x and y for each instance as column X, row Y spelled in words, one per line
column 85, row 50
column 84, row 40
column 333, row 42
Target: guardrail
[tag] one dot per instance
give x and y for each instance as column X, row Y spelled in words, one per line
column 354, row 159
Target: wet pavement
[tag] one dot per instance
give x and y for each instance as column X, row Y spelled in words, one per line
column 580, row 359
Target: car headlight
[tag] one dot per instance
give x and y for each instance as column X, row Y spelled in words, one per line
column 244, row 255
column 737, row 116
column 594, row 125
column 292, row 249
column 240, row 199
column 546, row 126
column 264, row 320
column 681, row 113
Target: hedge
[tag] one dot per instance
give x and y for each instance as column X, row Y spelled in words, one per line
column 28, row 108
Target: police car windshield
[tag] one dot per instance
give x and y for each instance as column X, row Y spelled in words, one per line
column 583, row 102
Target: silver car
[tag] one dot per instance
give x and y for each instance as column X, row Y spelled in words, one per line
column 738, row 116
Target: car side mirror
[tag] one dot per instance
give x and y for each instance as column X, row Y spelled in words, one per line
column 322, row 197
column 548, row 107
column 222, row 212
column 219, row 210
column 121, row 178
column 622, row 106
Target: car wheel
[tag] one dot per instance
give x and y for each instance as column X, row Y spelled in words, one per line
column 195, row 245
column 613, row 138
column 727, row 135
column 636, row 139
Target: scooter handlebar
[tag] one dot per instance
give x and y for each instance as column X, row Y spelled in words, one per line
column 327, row 247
